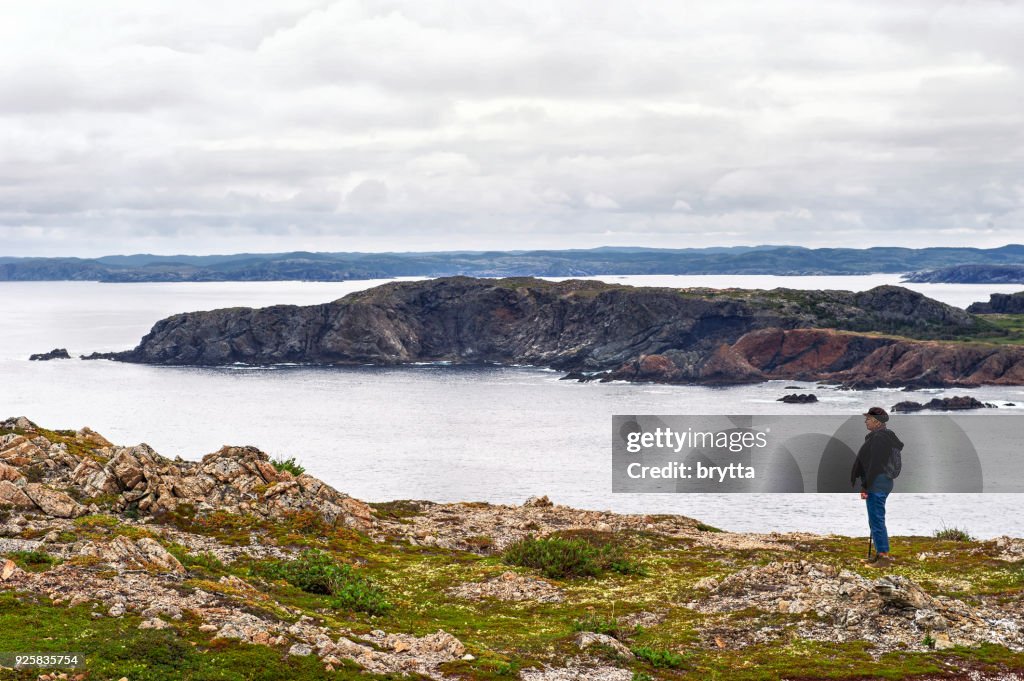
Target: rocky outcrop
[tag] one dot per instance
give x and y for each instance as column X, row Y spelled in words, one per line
column 143, row 554
column 236, row 479
column 862, row 361
column 587, row 328
column 851, row 607
column 56, row 353
column 798, row 398
column 957, row 403
column 509, row 586
column 1000, row 303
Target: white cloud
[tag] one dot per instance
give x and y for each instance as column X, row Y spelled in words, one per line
column 379, row 124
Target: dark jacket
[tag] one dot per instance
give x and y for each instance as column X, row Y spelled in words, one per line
column 873, row 456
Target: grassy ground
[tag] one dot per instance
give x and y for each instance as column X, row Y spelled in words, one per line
column 506, row 637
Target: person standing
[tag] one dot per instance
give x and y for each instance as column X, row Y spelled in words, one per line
column 872, row 468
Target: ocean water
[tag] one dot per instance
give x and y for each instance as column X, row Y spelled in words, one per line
column 444, row 433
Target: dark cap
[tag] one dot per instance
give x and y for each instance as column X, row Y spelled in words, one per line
column 878, row 413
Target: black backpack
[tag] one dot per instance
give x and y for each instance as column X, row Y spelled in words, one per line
column 895, row 463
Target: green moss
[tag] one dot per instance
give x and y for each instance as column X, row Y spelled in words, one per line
column 33, row 561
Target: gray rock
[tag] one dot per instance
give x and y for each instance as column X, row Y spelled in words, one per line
column 300, row 650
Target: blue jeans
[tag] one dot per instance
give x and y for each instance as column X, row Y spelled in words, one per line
column 877, row 495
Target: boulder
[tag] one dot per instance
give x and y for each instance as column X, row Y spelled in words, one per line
column 144, row 554
column 794, row 398
column 585, row 639
column 12, row 495
column 54, row 502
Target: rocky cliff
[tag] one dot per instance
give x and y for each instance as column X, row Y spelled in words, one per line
column 659, row 334
column 1000, row 303
column 228, row 567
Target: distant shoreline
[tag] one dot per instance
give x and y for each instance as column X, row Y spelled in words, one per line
column 605, row 261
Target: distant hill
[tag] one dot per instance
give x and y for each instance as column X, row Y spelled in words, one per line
column 970, row 274
column 306, row 266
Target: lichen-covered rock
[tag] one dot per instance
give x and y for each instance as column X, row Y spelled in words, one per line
column 54, row 502
column 510, row 586
column 143, row 554
column 12, row 495
column 586, row 639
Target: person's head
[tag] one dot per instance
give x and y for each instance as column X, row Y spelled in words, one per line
column 875, row 418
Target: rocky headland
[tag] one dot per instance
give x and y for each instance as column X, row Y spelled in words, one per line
column 240, row 566
column 887, row 336
column 971, row 273
column 1000, row 303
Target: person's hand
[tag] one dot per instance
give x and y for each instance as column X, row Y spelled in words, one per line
column 863, row 494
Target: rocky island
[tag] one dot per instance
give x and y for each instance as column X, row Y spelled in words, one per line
column 238, row 566
column 887, row 336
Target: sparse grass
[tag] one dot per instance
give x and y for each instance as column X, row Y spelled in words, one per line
column 953, row 534
column 97, row 521
column 401, row 510
column 598, row 625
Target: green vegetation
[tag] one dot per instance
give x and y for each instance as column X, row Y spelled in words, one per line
column 400, row 510
column 116, row 647
column 203, row 562
column 1001, row 328
column 953, row 534
column 598, row 625
column 289, row 465
column 564, row 558
column 316, row 572
column 660, row 658
column 33, row 561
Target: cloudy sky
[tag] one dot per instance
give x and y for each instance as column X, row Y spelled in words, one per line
column 200, row 127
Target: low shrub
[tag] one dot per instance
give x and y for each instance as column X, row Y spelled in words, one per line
column 318, row 573
column 562, row 558
column 289, row 465
column 664, row 659
column 953, row 534
column 33, row 561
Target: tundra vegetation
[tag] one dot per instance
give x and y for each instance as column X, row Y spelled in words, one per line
column 665, row 597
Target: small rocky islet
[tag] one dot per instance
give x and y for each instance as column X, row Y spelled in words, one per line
column 247, row 567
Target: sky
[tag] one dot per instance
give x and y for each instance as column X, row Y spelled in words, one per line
column 221, row 127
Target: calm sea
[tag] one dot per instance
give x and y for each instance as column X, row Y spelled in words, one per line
column 429, row 432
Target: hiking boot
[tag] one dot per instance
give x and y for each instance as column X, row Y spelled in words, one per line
column 880, row 562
